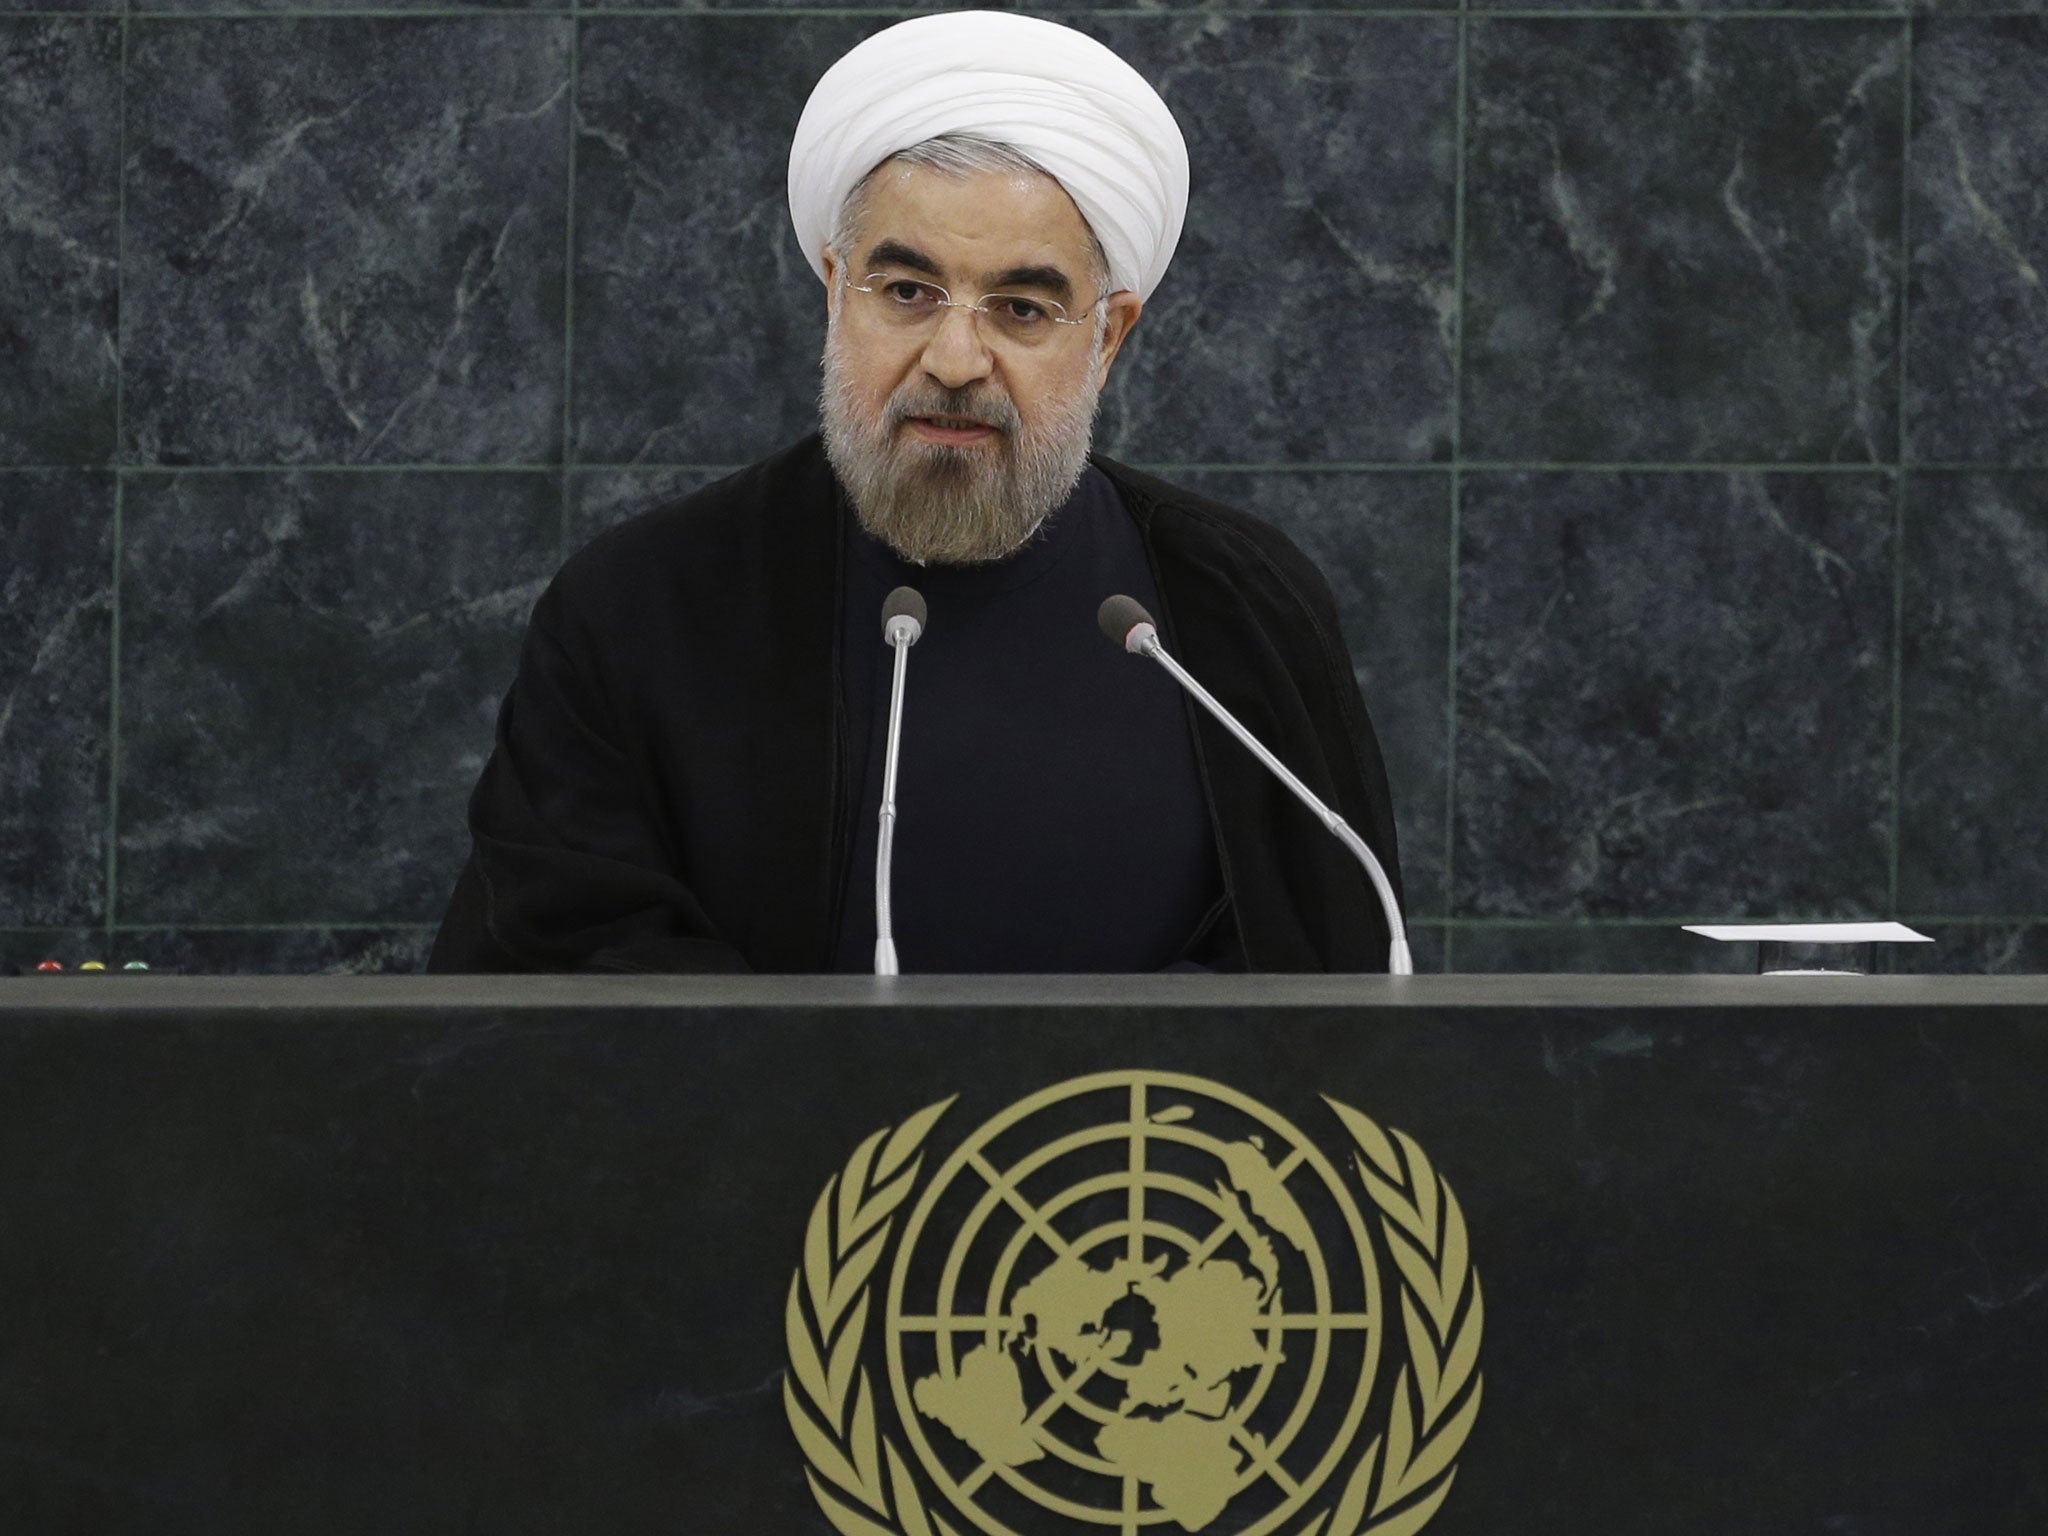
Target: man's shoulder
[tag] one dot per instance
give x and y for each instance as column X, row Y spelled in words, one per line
column 1178, row 519
column 702, row 533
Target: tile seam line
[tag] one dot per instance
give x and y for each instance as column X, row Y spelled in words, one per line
column 1899, row 489
column 1319, row 466
column 793, row 13
column 1586, row 925
column 353, row 925
column 1454, row 520
column 677, row 13
column 568, row 445
column 737, row 13
column 1664, row 924
column 110, row 871
column 1325, row 466
column 740, row 13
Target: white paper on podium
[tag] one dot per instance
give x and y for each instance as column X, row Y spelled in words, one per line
column 1811, row 933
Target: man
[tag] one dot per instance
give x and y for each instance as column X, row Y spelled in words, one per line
column 687, row 769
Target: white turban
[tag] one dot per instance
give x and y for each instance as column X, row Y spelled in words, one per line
column 1060, row 97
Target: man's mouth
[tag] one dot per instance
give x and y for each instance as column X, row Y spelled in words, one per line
column 951, row 429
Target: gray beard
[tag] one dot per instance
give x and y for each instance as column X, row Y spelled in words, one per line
column 937, row 505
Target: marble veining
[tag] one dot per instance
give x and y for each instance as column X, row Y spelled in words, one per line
column 603, row 498
column 698, row 321
column 345, row 241
column 1682, row 241
column 1627, row 948
column 1382, row 541
column 1977, row 374
column 221, row 951
column 60, row 117
column 1674, row 695
column 1309, row 313
column 342, row 7
column 56, row 600
column 311, row 951
column 69, row 6
column 1973, row 833
column 312, row 665
column 1976, row 949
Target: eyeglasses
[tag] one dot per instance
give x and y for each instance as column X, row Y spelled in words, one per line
column 911, row 304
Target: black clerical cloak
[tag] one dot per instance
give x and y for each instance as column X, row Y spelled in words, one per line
column 670, row 790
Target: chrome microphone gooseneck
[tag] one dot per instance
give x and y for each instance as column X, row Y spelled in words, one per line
column 1125, row 621
column 903, row 620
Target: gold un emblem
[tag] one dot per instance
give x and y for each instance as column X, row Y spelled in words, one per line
column 1134, row 1302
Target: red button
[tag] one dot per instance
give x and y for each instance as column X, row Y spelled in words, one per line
column 51, row 965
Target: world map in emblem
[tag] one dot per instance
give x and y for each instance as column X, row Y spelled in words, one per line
column 1137, row 1301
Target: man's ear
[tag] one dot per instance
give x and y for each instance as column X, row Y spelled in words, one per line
column 831, row 283
column 1124, row 307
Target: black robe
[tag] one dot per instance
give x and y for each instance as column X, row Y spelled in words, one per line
column 669, row 789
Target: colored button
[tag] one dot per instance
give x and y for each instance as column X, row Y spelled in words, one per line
column 135, row 965
column 94, row 965
column 51, row 965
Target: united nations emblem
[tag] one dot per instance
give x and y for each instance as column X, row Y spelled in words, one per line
column 1134, row 1300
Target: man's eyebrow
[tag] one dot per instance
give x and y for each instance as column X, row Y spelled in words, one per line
column 1049, row 279
column 894, row 253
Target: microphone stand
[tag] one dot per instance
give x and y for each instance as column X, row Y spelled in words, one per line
column 903, row 620
column 1134, row 630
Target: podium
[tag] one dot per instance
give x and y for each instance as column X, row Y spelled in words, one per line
column 1316, row 1256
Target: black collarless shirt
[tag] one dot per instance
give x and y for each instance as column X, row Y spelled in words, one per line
column 1050, row 814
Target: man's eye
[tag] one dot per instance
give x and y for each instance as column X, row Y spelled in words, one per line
column 1021, row 312
column 907, row 293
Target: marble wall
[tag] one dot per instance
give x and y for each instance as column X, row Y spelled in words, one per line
column 1664, row 390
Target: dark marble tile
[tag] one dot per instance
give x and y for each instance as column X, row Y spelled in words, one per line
column 8, row 7
column 221, row 952
column 1383, row 542
column 1979, row 7
column 368, row 951
column 1973, row 815
column 345, row 241
column 603, row 498
column 800, row 9
column 60, row 188
column 56, row 587
column 1975, row 949
column 341, row 7
column 1426, row 948
column 311, row 665
column 1682, row 241
column 1674, row 695
column 1977, row 315
column 698, row 322
column 1064, row 13
column 1308, row 314
column 1623, row 948
column 21, row 951
column 1690, row 7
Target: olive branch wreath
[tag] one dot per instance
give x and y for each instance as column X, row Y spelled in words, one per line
column 1442, row 1315
column 865, row 1488
column 825, row 1320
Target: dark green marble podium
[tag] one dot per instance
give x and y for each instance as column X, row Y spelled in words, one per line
column 389, row 1256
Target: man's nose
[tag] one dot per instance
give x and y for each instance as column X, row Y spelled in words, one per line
column 956, row 355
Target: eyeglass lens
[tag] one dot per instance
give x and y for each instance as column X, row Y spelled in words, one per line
column 910, row 303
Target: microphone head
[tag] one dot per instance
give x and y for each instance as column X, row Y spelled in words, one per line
column 1120, row 617
column 903, row 603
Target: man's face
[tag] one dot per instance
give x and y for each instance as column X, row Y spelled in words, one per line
column 953, row 439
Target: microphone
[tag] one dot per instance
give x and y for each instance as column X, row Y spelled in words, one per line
column 903, row 618
column 1125, row 621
